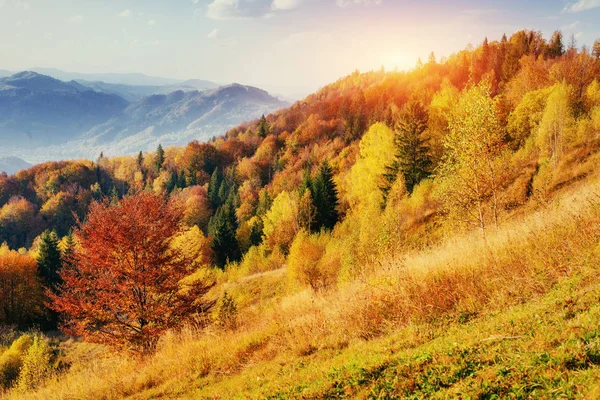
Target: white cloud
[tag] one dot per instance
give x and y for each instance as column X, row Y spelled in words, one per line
column 581, row 5
column 284, row 4
column 213, row 34
column 75, row 19
column 345, row 3
column 224, row 9
column 570, row 27
column 125, row 13
column 152, row 22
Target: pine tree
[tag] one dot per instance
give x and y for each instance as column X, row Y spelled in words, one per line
column 412, row 153
column 68, row 252
column 263, row 127
column 556, row 47
column 222, row 228
column 325, row 198
column 49, row 259
column 140, row 159
column 213, row 188
column 159, row 158
column 306, row 183
column 264, row 203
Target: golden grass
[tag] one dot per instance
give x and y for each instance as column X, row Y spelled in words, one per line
column 464, row 277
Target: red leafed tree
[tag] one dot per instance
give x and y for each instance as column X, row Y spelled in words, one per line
column 124, row 284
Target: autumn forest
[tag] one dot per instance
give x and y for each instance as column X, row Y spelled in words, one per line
column 386, row 214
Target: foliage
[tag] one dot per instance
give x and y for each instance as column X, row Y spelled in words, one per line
column 470, row 170
column 37, row 365
column 11, row 360
column 21, row 295
column 125, row 285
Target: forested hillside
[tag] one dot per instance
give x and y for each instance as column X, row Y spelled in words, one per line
column 316, row 230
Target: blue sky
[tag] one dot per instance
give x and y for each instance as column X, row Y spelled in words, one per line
column 276, row 44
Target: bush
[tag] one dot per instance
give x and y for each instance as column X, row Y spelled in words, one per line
column 227, row 312
column 11, row 361
column 36, row 366
column 307, row 264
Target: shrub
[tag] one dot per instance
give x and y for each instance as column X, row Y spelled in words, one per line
column 227, row 312
column 12, row 360
column 306, row 264
column 37, row 365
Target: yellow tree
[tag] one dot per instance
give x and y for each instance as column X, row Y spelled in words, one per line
column 470, row 170
column 554, row 122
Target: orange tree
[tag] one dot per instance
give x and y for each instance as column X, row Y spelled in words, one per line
column 125, row 284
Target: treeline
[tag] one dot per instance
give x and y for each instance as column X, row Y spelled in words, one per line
column 365, row 165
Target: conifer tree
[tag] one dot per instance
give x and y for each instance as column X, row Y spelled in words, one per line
column 159, row 158
column 49, row 259
column 556, row 47
column 140, row 159
column 325, row 198
column 412, row 153
column 213, row 188
column 222, row 228
column 263, row 127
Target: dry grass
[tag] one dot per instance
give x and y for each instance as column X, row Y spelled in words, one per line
column 464, row 277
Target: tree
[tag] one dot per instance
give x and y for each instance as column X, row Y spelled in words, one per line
column 213, row 188
column 140, row 159
column 470, row 170
column 159, row 159
column 596, row 49
column 125, row 286
column 49, row 260
column 412, row 158
column 222, row 228
column 307, row 212
column 21, row 295
column 556, row 47
column 554, row 120
column 263, row 127
column 325, row 198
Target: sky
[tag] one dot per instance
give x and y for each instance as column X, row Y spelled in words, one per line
column 279, row 45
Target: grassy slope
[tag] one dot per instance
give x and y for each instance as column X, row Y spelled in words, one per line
column 517, row 315
column 521, row 342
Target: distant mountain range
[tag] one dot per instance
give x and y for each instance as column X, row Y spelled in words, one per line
column 12, row 165
column 36, row 110
column 44, row 118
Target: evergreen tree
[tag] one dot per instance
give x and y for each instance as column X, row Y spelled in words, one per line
column 325, row 198
column 49, row 259
column 182, row 180
column 264, row 203
column 412, row 153
column 213, row 188
column 263, row 127
column 306, row 183
column 222, row 228
column 556, row 47
column 140, row 159
column 68, row 251
column 159, row 158
column 256, row 232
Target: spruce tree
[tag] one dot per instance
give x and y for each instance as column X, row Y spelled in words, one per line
column 159, row 158
column 556, row 47
column 140, row 159
column 222, row 228
column 213, row 188
column 49, row 259
column 263, row 127
column 325, row 198
column 412, row 158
